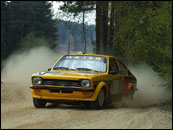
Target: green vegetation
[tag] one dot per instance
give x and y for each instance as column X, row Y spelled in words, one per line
column 31, row 41
column 144, row 34
column 25, row 24
column 166, row 106
column 28, row 24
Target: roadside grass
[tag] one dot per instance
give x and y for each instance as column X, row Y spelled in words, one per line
column 166, row 106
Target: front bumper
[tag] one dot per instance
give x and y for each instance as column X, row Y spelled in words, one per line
column 63, row 89
column 62, row 93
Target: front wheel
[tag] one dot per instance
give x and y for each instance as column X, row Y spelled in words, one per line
column 98, row 104
column 39, row 103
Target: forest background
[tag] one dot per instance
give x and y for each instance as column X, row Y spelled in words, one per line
column 135, row 31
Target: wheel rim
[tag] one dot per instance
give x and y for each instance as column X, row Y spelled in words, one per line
column 101, row 98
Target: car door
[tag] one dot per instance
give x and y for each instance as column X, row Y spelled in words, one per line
column 123, row 72
column 115, row 76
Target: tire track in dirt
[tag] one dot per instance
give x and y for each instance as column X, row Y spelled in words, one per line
column 71, row 117
column 18, row 112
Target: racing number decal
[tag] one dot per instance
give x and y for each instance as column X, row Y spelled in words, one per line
column 116, row 87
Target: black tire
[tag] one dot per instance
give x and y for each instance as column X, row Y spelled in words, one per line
column 39, row 103
column 99, row 103
column 107, row 100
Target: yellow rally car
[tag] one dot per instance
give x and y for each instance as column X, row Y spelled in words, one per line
column 83, row 78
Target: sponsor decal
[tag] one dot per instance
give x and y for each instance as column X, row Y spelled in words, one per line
column 85, row 57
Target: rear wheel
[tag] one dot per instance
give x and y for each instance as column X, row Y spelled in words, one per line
column 98, row 104
column 39, row 103
column 107, row 99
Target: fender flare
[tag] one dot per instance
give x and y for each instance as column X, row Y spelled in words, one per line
column 101, row 85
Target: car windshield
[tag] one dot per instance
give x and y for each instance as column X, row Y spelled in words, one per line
column 82, row 63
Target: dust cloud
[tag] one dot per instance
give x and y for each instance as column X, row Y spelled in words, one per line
column 151, row 88
column 18, row 68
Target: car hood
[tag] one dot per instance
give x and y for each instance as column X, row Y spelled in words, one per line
column 68, row 75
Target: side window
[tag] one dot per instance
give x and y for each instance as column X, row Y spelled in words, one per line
column 113, row 69
column 129, row 73
column 122, row 68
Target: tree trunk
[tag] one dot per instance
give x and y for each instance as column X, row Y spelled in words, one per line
column 69, row 38
column 103, row 27
column 111, row 29
column 83, row 26
column 101, row 50
column 97, row 27
column 21, row 35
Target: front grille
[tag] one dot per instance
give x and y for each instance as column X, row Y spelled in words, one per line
column 56, row 82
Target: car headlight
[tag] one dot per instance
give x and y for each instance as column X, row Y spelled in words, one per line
column 37, row 80
column 85, row 83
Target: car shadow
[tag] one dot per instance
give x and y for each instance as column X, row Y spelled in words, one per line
column 65, row 106
column 74, row 107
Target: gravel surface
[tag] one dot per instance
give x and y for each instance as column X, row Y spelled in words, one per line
column 18, row 112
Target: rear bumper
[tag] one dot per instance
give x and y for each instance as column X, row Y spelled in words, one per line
column 59, row 93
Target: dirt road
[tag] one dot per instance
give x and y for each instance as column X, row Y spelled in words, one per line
column 17, row 112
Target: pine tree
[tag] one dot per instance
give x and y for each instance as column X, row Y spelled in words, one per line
column 22, row 18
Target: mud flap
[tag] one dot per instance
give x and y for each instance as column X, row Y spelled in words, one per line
column 127, row 89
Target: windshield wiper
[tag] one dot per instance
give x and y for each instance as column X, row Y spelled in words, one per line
column 96, row 71
column 62, row 68
column 86, row 69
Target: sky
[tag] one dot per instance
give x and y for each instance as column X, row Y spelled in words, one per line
column 89, row 19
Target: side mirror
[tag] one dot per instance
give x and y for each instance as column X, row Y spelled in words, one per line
column 49, row 69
